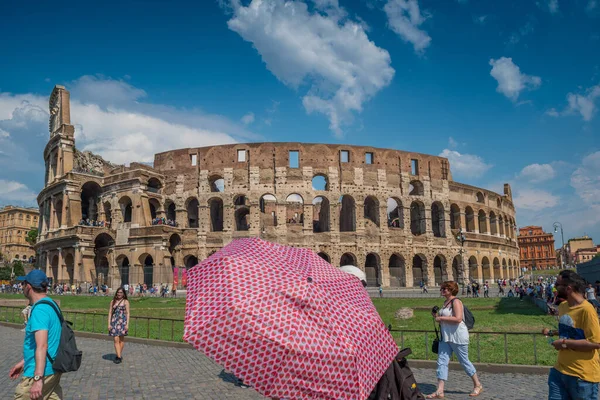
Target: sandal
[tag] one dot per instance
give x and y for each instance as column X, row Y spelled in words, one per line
column 436, row 395
column 476, row 391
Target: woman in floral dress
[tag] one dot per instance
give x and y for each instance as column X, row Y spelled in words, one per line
column 118, row 321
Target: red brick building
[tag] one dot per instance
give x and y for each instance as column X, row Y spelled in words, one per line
column 536, row 248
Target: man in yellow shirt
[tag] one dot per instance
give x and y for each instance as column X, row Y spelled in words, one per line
column 576, row 373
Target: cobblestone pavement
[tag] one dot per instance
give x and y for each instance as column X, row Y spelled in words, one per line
column 150, row 372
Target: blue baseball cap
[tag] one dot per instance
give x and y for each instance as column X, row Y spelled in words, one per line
column 35, row 278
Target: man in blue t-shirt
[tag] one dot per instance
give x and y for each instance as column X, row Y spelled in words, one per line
column 42, row 337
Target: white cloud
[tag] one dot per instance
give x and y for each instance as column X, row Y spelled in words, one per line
column 537, row 172
column 480, row 20
column 583, row 104
column 404, row 18
column 333, row 58
column 248, row 118
column 12, row 192
column 452, row 143
column 533, row 199
column 465, row 165
column 553, row 6
column 586, row 179
column 511, row 82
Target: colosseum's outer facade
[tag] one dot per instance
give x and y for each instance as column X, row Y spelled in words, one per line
column 394, row 213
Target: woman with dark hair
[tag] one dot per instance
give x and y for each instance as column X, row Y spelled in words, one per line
column 455, row 339
column 118, row 321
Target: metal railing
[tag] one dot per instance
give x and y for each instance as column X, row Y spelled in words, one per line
column 170, row 329
column 526, row 348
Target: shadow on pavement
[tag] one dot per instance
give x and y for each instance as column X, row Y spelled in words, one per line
column 109, row 357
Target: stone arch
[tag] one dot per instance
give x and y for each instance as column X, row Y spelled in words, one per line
column 192, row 212
column 419, row 269
column 480, row 197
column 395, row 213
column 190, row 261
column 348, row 259
column 438, row 220
column 174, row 242
column 321, row 210
column 440, row 272
column 373, row 269
column 90, row 197
column 496, row 265
column 58, row 206
column 294, row 209
column 493, row 224
column 70, row 267
column 500, row 225
column 418, row 218
column 473, row 268
column 416, row 188
column 470, row 219
column 324, row 256
column 216, row 183
column 54, row 268
column 268, row 210
column 154, row 185
column 101, row 264
column 170, row 210
column 320, row 182
column 347, row 214
column 126, row 206
column 482, row 219
column 242, row 216
column 154, row 206
column 124, row 268
column 485, row 269
column 148, row 267
column 240, row 200
column 504, row 265
column 454, row 216
column 499, row 203
column 107, row 212
column 216, row 214
column 457, row 274
column 371, row 209
column 397, row 269
column 103, row 242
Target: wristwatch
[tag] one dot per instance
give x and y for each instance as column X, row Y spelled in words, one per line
column 37, row 378
column 564, row 343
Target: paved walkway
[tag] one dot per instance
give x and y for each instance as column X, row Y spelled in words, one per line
column 150, row 372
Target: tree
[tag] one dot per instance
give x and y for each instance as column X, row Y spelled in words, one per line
column 32, row 236
column 5, row 274
column 18, row 268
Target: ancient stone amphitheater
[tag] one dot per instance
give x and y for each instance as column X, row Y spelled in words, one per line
column 397, row 214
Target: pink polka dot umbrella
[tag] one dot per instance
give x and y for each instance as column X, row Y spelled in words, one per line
column 287, row 322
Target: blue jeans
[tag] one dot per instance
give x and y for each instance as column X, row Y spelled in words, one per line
column 566, row 387
column 444, row 354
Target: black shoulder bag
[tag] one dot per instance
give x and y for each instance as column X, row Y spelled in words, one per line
column 435, row 346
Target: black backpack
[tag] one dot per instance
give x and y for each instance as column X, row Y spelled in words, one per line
column 68, row 357
column 468, row 317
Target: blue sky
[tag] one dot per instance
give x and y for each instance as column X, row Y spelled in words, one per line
column 508, row 91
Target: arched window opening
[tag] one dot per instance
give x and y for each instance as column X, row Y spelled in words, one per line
column 101, row 264
column 439, row 270
column 242, row 219
column 372, row 270
column 395, row 213
column 154, row 208
column 107, row 212
column 347, row 214
column 124, row 270
column 470, row 217
column 438, row 220
column 419, row 269
column 268, row 210
column 171, row 212
column 320, row 214
column 174, row 243
column 191, row 261
column 294, row 209
column 397, row 271
column 417, row 218
column 148, row 270
column 473, row 269
column 320, row 182
column 192, row 212
column 324, row 256
column 241, row 201
column 457, row 275
column 371, row 209
column 416, row 188
column 216, row 214
column 126, row 208
column 54, row 268
column 90, row 195
column 493, row 224
column 154, row 185
column 58, row 206
column 482, row 222
column 217, row 184
column 480, row 198
column 496, row 265
column 454, row 217
column 501, row 225
column 70, row 264
column 498, row 203
column 485, row 268
column 348, row 259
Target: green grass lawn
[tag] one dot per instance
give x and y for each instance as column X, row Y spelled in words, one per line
column 491, row 315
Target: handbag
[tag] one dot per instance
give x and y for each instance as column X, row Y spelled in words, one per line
column 435, row 346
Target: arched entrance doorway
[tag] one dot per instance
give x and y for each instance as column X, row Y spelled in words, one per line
column 419, row 269
column 397, row 271
column 148, row 270
column 324, row 256
column 372, row 270
column 348, row 259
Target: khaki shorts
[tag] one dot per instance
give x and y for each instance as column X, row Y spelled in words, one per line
column 50, row 391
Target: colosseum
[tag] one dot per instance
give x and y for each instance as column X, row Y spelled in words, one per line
column 396, row 214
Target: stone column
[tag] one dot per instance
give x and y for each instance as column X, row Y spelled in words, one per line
column 61, row 266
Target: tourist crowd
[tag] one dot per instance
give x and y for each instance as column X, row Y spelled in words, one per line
column 93, row 222
column 163, row 221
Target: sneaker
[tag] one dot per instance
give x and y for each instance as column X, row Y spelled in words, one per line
column 118, row 360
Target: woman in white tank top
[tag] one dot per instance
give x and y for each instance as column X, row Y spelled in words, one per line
column 455, row 339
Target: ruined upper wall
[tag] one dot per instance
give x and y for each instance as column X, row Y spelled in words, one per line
column 318, row 156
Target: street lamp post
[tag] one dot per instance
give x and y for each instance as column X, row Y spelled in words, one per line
column 462, row 239
column 556, row 225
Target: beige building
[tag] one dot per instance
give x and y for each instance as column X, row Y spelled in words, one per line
column 15, row 224
column 575, row 245
column 395, row 214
